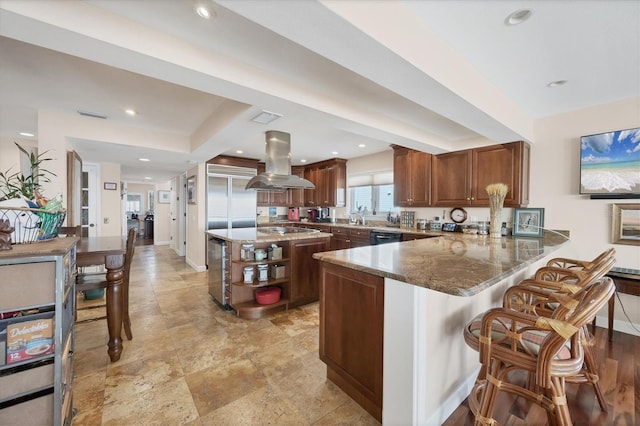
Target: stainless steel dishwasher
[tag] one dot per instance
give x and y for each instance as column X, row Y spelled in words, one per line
column 219, row 274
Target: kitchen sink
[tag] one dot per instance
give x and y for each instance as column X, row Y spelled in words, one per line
column 283, row 230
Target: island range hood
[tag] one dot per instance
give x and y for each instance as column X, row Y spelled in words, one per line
column 277, row 175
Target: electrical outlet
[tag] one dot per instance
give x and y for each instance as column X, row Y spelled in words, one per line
column 105, row 220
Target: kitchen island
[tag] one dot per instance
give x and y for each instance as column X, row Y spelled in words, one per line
column 391, row 317
column 293, row 270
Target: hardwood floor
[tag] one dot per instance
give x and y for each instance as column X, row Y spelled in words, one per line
column 619, row 363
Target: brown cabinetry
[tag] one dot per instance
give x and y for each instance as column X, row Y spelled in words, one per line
column 36, row 370
column 271, row 198
column 345, row 238
column 305, row 270
column 411, row 177
column 351, row 333
column 330, row 179
column 460, row 178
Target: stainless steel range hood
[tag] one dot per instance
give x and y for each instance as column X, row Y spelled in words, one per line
column 277, row 175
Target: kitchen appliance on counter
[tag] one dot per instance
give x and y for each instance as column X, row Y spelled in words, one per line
column 219, row 276
column 319, row 214
column 312, row 215
column 293, row 215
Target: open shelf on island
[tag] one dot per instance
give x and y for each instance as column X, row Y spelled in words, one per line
column 253, row 310
column 258, row 262
column 258, row 284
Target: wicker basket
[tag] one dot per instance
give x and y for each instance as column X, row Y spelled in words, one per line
column 32, row 225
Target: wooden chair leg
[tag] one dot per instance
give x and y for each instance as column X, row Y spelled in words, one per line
column 126, row 321
column 592, row 376
column 559, row 398
column 491, row 388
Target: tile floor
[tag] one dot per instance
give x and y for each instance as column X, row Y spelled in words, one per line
column 191, row 363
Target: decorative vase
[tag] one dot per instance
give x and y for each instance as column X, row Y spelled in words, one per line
column 496, row 192
column 495, row 226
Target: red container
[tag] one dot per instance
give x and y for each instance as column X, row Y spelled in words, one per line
column 268, row 295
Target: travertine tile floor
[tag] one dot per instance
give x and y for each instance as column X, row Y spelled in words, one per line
column 191, row 363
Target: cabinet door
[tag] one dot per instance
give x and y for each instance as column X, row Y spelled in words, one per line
column 420, row 178
column 501, row 164
column 451, row 179
column 305, row 270
column 278, row 198
column 296, row 196
column 311, row 174
column 262, row 197
column 401, row 181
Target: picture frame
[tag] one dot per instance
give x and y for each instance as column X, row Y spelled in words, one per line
column 110, row 186
column 191, row 189
column 528, row 222
column 625, row 224
column 164, row 197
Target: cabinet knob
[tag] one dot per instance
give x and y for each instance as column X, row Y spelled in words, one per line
column 468, row 199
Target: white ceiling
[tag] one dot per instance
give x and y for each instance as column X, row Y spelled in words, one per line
column 433, row 75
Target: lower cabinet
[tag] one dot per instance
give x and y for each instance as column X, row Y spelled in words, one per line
column 351, row 333
column 305, row 270
column 345, row 238
column 37, row 305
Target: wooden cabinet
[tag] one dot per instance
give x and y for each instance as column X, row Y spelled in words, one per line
column 305, row 270
column 411, row 177
column 36, row 370
column 330, row 179
column 270, row 198
column 345, row 238
column 296, row 196
column 460, row 178
column 351, row 333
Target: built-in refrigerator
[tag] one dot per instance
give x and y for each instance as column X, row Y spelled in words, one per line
column 229, row 206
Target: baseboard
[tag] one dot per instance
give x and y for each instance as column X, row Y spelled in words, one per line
column 198, row 268
column 619, row 325
column 454, row 400
column 161, row 243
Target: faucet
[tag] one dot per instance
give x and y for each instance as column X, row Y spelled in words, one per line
column 360, row 215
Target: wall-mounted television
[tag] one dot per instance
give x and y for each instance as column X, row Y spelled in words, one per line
column 610, row 164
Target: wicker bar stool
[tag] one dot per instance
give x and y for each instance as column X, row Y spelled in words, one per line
column 548, row 348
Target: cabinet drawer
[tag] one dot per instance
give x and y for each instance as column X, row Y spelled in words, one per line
column 26, row 285
column 25, row 381
column 339, row 231
column 38, row 411
column 362, row 234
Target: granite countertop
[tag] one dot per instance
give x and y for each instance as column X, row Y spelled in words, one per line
column 375, row 226
column 55, row 246
column 255, row 235
column 456, row 263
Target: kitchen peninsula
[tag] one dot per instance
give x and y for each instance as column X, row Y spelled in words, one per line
column 297, row 278
column 391, row 317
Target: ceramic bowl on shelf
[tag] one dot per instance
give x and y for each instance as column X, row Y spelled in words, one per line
column 268, row 295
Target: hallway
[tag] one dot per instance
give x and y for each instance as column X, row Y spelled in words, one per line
column 192, row 363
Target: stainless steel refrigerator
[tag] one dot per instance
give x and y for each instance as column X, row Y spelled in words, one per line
column 229, row 206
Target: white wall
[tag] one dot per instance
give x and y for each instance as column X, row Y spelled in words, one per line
column 555, row 166
column 111, row 215
column 161, row 218
column 196, row 221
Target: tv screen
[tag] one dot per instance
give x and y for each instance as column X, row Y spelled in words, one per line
column 610, row 163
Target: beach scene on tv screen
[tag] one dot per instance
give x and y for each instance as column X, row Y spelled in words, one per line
column 610, row 163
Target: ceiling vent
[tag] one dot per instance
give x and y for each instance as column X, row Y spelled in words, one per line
column 266, row 117
column 92, row 114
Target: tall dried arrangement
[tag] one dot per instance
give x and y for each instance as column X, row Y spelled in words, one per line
column 497, row 192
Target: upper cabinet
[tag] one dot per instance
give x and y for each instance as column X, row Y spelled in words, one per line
column 330, row 179
column 411, row 177
column 460, row 178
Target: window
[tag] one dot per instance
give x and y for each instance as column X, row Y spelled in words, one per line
column 371, row 198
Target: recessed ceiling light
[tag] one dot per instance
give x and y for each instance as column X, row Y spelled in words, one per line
column 518, row 17
column 335, row 153
column 27, row 134
column 130, row 111
column 239, row 151
column 266, row 117
column 303, row 161
column 143, row 159
column 147, row 178
column 557, row 83
column 361, row 145
column 203, row 11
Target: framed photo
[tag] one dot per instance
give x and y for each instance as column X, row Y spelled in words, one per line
column 110, row 186
column 164, row 197
column 626, row 224
column 528, row 222
column 191, row 189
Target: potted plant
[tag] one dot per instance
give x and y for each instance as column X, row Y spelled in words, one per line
column 32, row 216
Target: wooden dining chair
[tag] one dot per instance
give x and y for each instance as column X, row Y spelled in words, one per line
column 93, row 281
column 70, row 231
column 549, row 349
